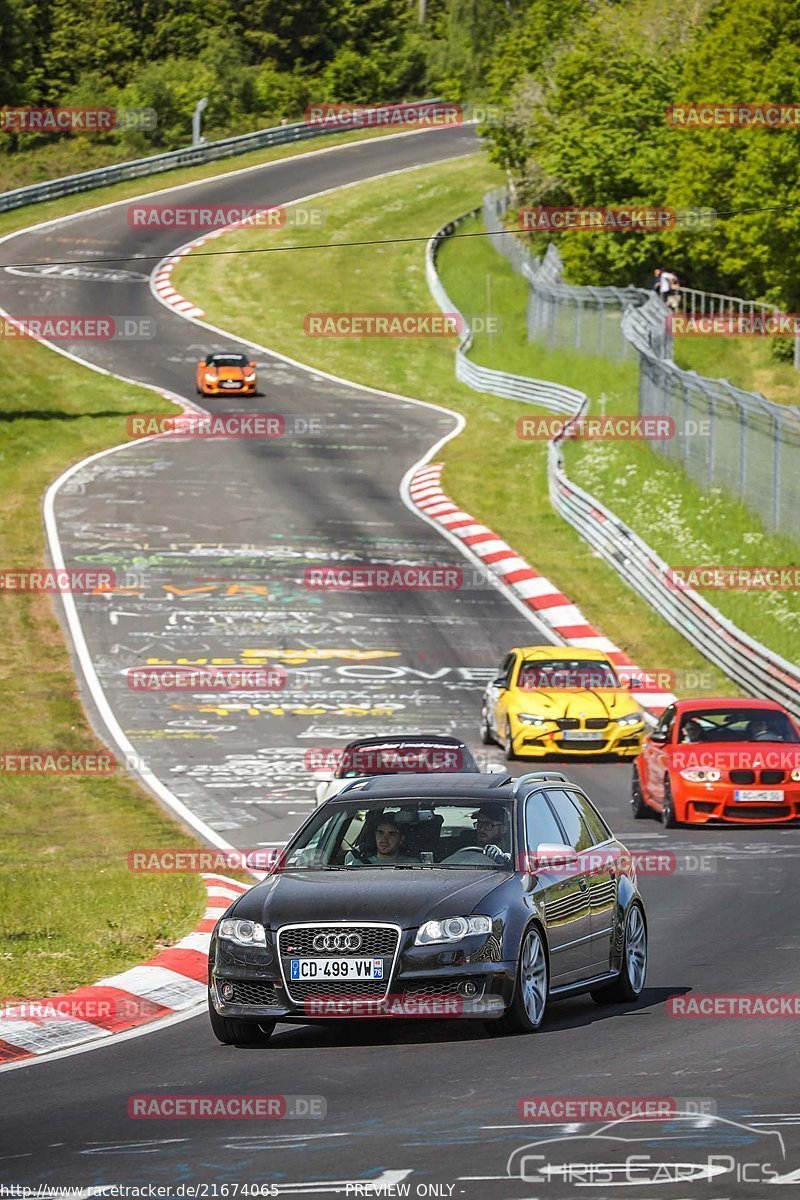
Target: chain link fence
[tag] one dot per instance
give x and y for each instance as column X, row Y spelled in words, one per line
column 725, row 437
column 758, row 670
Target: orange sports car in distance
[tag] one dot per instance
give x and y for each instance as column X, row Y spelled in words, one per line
column 735, row 761
column 225, row 372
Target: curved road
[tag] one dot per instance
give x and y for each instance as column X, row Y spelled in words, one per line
column 210, row 541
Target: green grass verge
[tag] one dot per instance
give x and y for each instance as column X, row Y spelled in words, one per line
column 683, row 522
column 70, row 910
column 745, row 362
column 494, row 475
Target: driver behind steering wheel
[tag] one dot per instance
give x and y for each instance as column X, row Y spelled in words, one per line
column 492, row 833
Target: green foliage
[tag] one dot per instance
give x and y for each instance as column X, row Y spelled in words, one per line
column 586, row 101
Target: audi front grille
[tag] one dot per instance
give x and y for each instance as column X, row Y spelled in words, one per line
column 338, row 941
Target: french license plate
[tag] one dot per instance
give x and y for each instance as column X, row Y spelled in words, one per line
column 583, row 735
column 755, row 794
column 336, row 968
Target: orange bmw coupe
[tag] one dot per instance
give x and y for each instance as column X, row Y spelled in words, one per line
column 733, row 761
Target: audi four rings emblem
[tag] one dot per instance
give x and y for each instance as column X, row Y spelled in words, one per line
column 338, row 941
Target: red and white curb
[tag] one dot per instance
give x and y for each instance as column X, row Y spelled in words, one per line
column 162, row 276
column 549, row 604
column 176, row 979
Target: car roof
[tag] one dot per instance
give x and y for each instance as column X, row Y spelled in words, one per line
column 412, row 739
column 450, row 786
column 712, row 702
column 545, row 652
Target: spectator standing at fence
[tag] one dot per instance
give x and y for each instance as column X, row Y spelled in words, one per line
column 672, row 299
column 657, row 280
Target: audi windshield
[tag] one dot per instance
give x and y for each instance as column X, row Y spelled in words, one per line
column 353, row 834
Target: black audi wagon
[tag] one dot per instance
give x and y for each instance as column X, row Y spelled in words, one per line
column 469, row 896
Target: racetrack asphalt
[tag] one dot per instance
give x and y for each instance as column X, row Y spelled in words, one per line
column 213, row 538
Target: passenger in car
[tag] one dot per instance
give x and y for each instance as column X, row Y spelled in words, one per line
column 389, row 846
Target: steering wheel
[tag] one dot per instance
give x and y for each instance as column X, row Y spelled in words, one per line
column 463, row 849
column 352, row 850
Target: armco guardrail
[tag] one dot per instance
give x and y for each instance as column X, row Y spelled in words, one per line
column 554, row 396
column 190, row 156
column 758, row 670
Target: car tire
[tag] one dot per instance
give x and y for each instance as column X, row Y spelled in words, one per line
column 640, row 810
column 529, row 1004
column 508, row 744
column 668, row 807
column 232, row 1031
column 487, row 738
column 628, row 985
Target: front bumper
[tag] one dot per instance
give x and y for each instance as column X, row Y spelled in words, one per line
column 464, row 981
column 611, row 741
column 245, row 389
column 709, row 803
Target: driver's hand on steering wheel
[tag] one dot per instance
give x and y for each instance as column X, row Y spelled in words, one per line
column 497, row 855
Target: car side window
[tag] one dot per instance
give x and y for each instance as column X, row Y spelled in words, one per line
column 506, row 667
column 592, row 819
column 664, row 726
column 540, row 824
column 578, row 835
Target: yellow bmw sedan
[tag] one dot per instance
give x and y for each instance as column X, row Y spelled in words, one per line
column 559, row 702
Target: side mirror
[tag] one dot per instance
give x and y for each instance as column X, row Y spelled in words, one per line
column 500, row 682
column 659, row 736
column 251, row 366
column 550, row 856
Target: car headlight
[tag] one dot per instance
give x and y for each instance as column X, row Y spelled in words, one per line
column 701, row 774
column 529, row 719
column 244, row 933
column 795, row 775
column 452, row 929
column 631, row 719
column 251, row 378
column 210, row 377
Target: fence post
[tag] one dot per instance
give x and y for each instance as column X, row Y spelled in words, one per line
column 776, row 471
